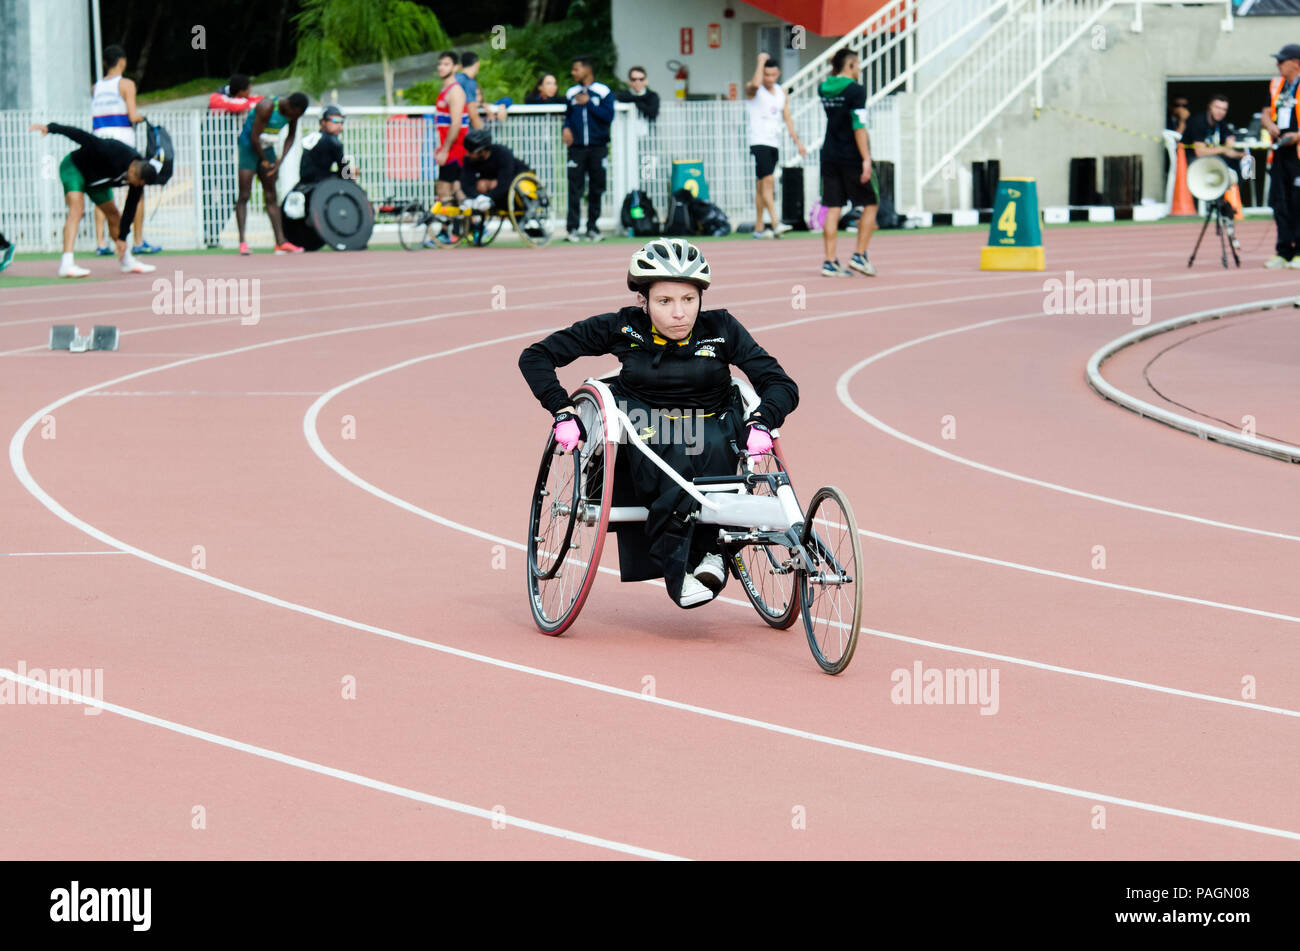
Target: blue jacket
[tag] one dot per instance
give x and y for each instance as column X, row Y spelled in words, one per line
column 590, row 122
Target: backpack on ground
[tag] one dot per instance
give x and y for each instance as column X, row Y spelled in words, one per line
column 678, row 223
column 709, row 219
column 639, row 214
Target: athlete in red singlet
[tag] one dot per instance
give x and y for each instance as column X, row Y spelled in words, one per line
column 451, row 113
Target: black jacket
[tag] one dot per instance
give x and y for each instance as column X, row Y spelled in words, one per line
column 693, row 376
column 103, row 163
column 646, row 104
column 322, row 158
column 501, row 164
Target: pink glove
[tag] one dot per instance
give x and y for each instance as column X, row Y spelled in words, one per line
column 760, row 440
column 569, row 431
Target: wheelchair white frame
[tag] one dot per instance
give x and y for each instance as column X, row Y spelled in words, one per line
column 742, row 514
column 735, row 507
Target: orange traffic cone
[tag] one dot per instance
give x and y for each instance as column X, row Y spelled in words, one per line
column 1233, row 197
column 1183, row 204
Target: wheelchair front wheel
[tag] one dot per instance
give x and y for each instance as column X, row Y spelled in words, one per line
column 832, row 591
column 568, row 521
column 768, row 572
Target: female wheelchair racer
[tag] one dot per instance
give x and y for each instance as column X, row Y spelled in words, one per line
column 675, row 377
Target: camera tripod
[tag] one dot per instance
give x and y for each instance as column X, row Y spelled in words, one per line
column 1220, row 212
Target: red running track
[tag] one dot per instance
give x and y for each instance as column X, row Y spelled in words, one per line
column 347, row 668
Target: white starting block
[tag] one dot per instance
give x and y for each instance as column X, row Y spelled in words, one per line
column 68, row 337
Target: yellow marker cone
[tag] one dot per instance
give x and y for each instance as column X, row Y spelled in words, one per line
column 1015, row 238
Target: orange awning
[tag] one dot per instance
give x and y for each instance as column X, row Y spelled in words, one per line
column 823, row 17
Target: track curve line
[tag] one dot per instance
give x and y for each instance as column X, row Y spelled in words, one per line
column 1219, row 434
column 18, row 463
column 842, row 391
column 312, row 435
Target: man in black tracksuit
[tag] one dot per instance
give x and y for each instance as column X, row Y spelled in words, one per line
column 663, row 380
column 586, row 133
column 1281, row 121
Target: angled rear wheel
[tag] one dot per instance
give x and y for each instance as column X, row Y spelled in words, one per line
column 568, row 520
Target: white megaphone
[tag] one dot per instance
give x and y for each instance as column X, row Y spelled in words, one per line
column 1210, row 177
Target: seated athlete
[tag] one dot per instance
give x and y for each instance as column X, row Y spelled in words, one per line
column 322, row 151
column 269, row 116
column 676, row 368
column 487, row 171
column 94, row 170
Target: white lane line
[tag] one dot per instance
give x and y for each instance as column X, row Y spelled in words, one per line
column 331, row 276
column 310, row 431
column 349, row 777
column 200, row 393
column 145, row 307
column 1082, row 579
column 36, row 554
column 19, row 465
column 333, row 291
column 535, row 307
column 842, row 391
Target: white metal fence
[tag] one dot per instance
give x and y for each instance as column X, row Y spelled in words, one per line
column 394, row 151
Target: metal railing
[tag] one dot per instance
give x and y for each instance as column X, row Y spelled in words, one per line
column 393, row 149
column 898, row 42
column 966, row 98
column 966, row 61
column 1136, row 25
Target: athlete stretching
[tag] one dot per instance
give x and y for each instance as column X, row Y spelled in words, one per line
column 93, row 170
column 270, row 115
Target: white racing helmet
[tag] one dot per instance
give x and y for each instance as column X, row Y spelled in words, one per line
column 667, row 259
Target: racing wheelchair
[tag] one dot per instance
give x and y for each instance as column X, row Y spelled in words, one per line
column 333, row 211
column 790, row 561
column 446, row 225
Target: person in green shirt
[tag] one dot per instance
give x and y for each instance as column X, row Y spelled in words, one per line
column 846, row 162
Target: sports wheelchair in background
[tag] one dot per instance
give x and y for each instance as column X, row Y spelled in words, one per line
column 333, row 211
column 447, row 225
column 789, row 560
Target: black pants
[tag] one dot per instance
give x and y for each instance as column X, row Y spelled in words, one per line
column 585, row 165
column 1284, row 197
column 693, row 445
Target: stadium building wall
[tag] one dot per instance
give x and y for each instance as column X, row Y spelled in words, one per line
column 1121, row 80
column 650, row 34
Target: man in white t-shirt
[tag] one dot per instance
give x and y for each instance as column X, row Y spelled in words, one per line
column 766, row 107
column 113, row 114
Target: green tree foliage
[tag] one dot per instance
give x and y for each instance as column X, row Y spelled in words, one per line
column 333, row 34
column 532, row 51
